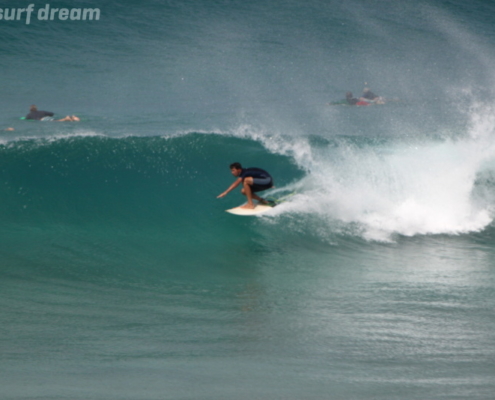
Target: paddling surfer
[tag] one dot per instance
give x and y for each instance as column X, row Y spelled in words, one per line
column 253, row 180
column 40, row 115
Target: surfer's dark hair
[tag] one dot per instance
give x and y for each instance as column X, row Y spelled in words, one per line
column 236, row 165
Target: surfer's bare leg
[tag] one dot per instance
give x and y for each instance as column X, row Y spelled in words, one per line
column 246, row 191
column 71, row 118
column 260, row 199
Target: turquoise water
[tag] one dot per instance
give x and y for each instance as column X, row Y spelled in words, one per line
column 121, row 276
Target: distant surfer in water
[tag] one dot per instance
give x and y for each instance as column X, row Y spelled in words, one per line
column 352, row 101
column 366, row 99
column 253, row 180
column 40, row 115
column 371, row 97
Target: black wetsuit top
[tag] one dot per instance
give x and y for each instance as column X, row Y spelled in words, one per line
column 262, row 180
column 254, row 173
column 369, row 95
column 38, row 114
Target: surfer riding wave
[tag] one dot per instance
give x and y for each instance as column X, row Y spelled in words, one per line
column 253, row 180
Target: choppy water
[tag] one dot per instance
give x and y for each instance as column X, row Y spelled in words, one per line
column 123, row 278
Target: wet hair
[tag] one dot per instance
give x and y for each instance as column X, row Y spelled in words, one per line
column 348, row 95
column 33, row 108
column 236, row 165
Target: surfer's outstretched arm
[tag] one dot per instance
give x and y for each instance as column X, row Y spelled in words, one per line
column 231, row 187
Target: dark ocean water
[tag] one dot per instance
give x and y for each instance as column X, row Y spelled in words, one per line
column 121, row 276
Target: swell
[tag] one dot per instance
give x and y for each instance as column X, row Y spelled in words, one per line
column 97, row 207
column 138, row 208
column 146, row 180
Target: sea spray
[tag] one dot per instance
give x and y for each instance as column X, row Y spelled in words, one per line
column 388, row 188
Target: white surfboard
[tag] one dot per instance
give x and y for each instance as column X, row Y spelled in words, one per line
column 258, row 209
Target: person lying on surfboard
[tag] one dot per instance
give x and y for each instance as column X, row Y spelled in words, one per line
column 39, row 115
column 366, row 99
column 253, row 180
column 352, row 101
column 371, row 97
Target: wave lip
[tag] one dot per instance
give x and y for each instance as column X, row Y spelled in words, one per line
column 404, row 189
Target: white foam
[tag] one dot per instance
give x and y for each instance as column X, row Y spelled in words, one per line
column 428, row 187
column 50, row 138
column 294, row 146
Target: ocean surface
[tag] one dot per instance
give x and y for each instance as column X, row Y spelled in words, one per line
column 121, row 275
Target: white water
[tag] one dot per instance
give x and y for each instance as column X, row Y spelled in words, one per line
column 399, row 186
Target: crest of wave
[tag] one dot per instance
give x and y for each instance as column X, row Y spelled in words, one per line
column 404, row 188
column 432, row 187
column 411, row 190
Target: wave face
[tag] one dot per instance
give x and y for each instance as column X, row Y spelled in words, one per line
column 263, row 72
column 120, row 267
column 346, row 187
